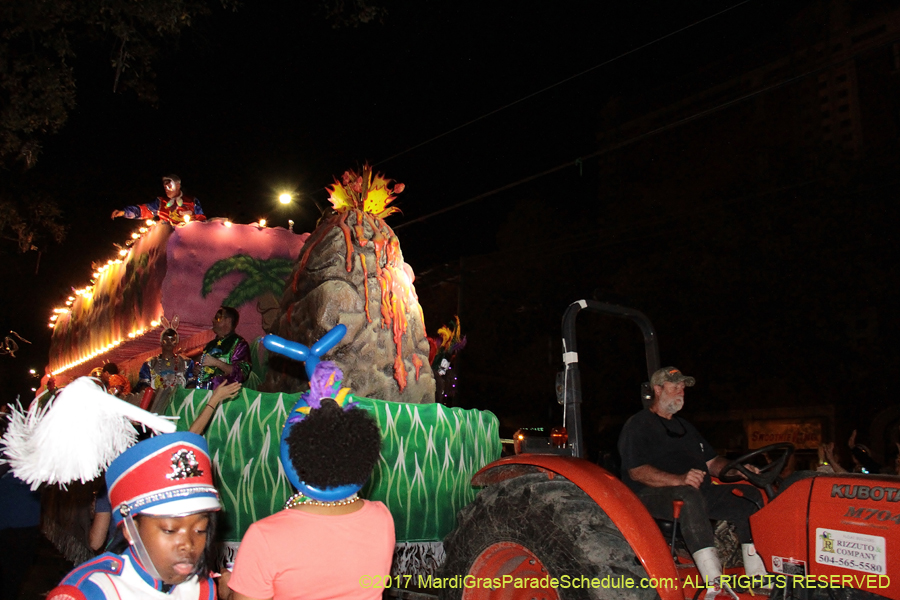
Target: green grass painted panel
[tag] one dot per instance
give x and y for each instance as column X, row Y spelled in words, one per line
column 428, row 456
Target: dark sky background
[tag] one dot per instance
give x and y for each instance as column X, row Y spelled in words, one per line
column 272, row 98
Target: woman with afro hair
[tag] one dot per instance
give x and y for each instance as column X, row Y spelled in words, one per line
column 321, row 549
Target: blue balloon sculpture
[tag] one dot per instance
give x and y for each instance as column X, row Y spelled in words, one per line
column 299, row 352
column 324, row 494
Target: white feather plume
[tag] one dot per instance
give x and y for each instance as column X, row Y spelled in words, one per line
column 75, row 436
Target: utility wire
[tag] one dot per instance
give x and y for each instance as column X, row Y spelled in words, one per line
column 559, row 83
column 635, row 231
column 645, row 135
column 548, row 250
column 608, row 149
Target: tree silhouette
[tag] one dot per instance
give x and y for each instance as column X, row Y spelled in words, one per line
column 38, row 51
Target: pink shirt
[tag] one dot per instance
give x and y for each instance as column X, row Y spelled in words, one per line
column 296, row 554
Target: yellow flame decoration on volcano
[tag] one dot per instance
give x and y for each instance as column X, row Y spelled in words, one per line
column 367, row 191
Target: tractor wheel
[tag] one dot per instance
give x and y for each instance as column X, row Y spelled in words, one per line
column 530, row 529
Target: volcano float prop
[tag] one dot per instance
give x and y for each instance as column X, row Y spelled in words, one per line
column 351, row 271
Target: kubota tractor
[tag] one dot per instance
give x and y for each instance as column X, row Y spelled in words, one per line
column 552, row 526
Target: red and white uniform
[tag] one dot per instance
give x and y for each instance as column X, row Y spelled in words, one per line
column 121, row 577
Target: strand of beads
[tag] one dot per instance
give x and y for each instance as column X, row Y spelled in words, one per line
column 299, row 498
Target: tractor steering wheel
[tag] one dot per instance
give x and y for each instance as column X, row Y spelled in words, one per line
column 767, row 474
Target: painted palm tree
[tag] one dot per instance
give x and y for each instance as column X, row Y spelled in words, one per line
column 262, row 277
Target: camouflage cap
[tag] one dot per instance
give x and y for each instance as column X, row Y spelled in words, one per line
column 673, row 375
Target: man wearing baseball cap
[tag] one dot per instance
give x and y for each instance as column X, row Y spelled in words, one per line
column 163, row 500
column 176, row 208
column 664, row 458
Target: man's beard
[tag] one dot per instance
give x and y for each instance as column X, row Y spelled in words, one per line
column 671, row 407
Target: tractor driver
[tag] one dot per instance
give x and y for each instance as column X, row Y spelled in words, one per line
column 664, row 458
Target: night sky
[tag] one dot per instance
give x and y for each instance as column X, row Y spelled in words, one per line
column 271, row 98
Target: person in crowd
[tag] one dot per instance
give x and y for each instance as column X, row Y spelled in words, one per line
column 20, row 517
column 863, row 462
column 828, row 460
column 102, row 529
column 664, row 458
column 163, row 504
column 224, row 392
column 114, row 382
column 227, row 357
column 167, row 369
column 47, row 387
column 75, row 518
column 332, row 453
column 175, row 208
column 119, row 386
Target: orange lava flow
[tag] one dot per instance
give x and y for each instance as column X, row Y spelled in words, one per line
column 362, row 261
column 392, row 279
column 342, row 223
column 360, row 231
column 384, row 277
column 398, row 307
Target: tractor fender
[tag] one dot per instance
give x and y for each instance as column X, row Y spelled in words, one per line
column 621, row 505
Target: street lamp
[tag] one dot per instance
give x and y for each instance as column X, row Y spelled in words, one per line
column 285, row 198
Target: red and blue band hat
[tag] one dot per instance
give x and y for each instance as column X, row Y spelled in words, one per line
column 169, row 475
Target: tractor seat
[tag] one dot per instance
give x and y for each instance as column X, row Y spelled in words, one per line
column 667, row 526
column 680, row 551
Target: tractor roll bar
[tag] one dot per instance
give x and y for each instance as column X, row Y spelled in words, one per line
column 572, row 377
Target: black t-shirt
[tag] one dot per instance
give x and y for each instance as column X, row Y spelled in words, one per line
column 671, row 445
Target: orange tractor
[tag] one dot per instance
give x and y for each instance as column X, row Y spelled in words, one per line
column 552, row 526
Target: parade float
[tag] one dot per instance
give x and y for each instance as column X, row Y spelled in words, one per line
column 548, row 523
column 349, row 272
column 187, row 272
